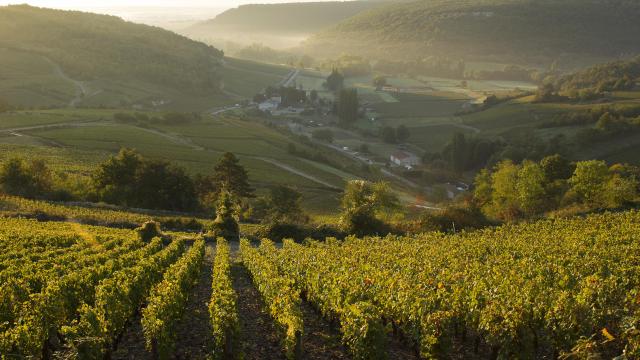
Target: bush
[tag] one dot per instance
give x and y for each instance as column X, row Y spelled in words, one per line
column 225, row 224
column 452, row 219
column 148, row 231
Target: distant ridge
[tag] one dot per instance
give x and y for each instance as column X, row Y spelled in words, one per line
column 512, row 30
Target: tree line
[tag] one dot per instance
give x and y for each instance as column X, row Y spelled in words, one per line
column 513, row 191
column 128, row 179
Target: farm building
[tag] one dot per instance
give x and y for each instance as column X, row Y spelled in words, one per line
column 404, row 158
column 270, row 105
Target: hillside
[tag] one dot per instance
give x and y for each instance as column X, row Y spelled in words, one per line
column 521, row 31
column 529, row 290
column 266, row 22
column 51, row 57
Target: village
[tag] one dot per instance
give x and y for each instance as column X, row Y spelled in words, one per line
column 304, row 113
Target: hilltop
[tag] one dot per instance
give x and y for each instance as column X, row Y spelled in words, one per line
column 256, row 22
column 53, row 57
column 516, row 31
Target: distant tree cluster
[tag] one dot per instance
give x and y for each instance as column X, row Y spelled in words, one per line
column 513, row 191
column 609, row 125
column 508, row 72
column 335, row 81
column 592, row 83
column 396, row 135
column 129, row 179
column 348, row 66
column 323, row 135
column 262, row 53
column 465, row 153
column 428, row 66
column 348, row 107
column 26, row 178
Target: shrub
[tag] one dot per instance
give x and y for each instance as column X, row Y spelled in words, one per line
column 148, row 231
column 225, row 224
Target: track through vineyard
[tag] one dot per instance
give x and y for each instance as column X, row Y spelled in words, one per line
column 194, row 340
column 258, row 334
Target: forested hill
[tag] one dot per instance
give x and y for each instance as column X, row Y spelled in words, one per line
column 88, row 47
column 289, row 18
column 509, row 30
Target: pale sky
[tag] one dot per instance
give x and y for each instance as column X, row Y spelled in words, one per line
column 152, row 12
column 83, row 4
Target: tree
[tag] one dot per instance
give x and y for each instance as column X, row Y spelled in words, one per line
column 402, row 134
column 231, row 176
column 282, row 205
column 323, row 135
column 379, row 82
column 115, row 179
column 225, row 224
column 556, row 167
column 589, row 180
column 348, row 106
column 459, row 152
column 531, row 188
column 161, row 185
column 388, row 135
column 128, row 179
column 28, row 179
column 313, row 95
column 605, row 122
column 362, row 204
column 504, row 204
column 335, row 81
column 482, row 192
column 620, row 190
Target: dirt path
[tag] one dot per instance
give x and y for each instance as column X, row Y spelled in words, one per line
column 132, row 344
column 194, row 338
column 82, row 91
column 320, row 339
column 258, row 334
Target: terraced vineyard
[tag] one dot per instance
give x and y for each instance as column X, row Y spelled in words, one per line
column 556, row 288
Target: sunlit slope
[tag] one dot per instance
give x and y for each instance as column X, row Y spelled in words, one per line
column 55, row 58
column 516, row 30
column 289, row 18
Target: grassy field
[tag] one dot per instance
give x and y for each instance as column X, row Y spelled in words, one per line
column 522, row 117
column 77, row 140
column 30, row 80
column 245, row 78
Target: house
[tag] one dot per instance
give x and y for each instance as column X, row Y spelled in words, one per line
column 404, row 158
column 271, row 104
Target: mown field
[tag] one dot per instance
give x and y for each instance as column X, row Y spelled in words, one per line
column 537, row 290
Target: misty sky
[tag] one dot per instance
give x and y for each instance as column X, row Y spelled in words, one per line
column 83, row 4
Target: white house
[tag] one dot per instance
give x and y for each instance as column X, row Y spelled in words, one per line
column 406, row 159
column 270, row 105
